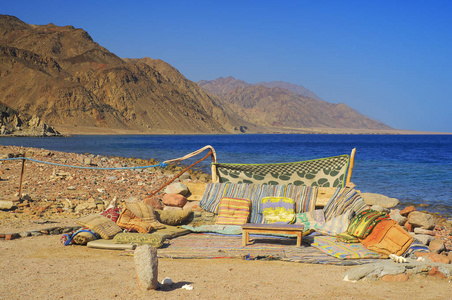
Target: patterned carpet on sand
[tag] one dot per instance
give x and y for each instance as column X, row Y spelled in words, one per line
column 200, row 245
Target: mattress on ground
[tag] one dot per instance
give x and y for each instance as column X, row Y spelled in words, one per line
column 110, row 245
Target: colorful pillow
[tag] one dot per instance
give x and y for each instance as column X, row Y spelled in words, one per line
column 105, row 227
column 233, row 211
column 416, row 247
column 336, row 225
column 140, row 239
column 364, row 222
column 312, row 219
column 144, row 212
column 278, row 210
column 112, row 213
column 127, row 220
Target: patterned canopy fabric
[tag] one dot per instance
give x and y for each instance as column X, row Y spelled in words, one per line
column 324, row 172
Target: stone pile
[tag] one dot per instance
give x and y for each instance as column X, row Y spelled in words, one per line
column 59, row 191
column 388, row 270
column 45, row 231
column 431, row 230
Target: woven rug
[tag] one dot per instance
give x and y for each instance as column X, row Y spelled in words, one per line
column 194, row 246
column 329, row 245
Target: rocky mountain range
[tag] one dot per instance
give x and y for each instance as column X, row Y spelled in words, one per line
column 62, row 76
column 286, row 106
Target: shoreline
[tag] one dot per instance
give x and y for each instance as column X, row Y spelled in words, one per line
column 86, row 130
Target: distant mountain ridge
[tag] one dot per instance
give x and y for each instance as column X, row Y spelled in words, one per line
column 284, row 105
column 62, row 76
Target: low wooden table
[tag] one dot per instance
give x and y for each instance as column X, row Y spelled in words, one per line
column 271, row 228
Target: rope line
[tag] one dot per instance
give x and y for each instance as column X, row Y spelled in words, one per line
column 161, row 164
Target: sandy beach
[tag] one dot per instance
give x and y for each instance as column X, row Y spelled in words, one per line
column 40, row 267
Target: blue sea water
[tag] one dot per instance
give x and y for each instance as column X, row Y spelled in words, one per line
column 413, row 168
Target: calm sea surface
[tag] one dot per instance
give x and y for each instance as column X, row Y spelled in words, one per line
column 413, row 168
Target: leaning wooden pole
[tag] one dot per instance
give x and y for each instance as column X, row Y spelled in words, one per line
column 21, row 178
column 350, row 167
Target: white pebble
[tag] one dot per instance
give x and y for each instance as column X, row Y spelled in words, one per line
column 187, row 287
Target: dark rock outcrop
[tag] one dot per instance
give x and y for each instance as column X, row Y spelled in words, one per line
column 13, row 123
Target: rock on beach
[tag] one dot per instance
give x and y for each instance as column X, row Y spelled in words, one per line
column 146, row 266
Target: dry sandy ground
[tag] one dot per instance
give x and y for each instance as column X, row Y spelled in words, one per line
column 41, row 268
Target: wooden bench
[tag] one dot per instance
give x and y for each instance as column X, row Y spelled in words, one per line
column 271, row 228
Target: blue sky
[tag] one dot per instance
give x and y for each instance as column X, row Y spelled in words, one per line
column 390, row 60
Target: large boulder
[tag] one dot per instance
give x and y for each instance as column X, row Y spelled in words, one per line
column 174, row 200
column 177, row 188
column 420, row 219
column 396, row 216
column 378, row 199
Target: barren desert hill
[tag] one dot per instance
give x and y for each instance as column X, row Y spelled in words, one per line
column 61, row 75
column 72, row 80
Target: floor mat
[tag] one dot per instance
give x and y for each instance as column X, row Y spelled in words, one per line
column 211, row 246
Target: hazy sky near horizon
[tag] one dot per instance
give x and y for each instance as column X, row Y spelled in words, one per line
column 390, row 60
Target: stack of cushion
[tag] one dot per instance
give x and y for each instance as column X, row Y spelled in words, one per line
column 140, row 217
column 361, row 226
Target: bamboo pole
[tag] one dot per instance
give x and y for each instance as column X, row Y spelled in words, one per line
column 21, row 178
column 213, row 167
column 350, row 167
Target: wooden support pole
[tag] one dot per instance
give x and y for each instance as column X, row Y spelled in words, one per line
column 21, row 178
column 350, row 167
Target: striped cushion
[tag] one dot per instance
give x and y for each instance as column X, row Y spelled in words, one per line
column 233, row 211
column 278, row 210
column 364, row 222
column 336, row 225
column 103, row 226
column 304, row 196
column 347, row 238
column 343, row 200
